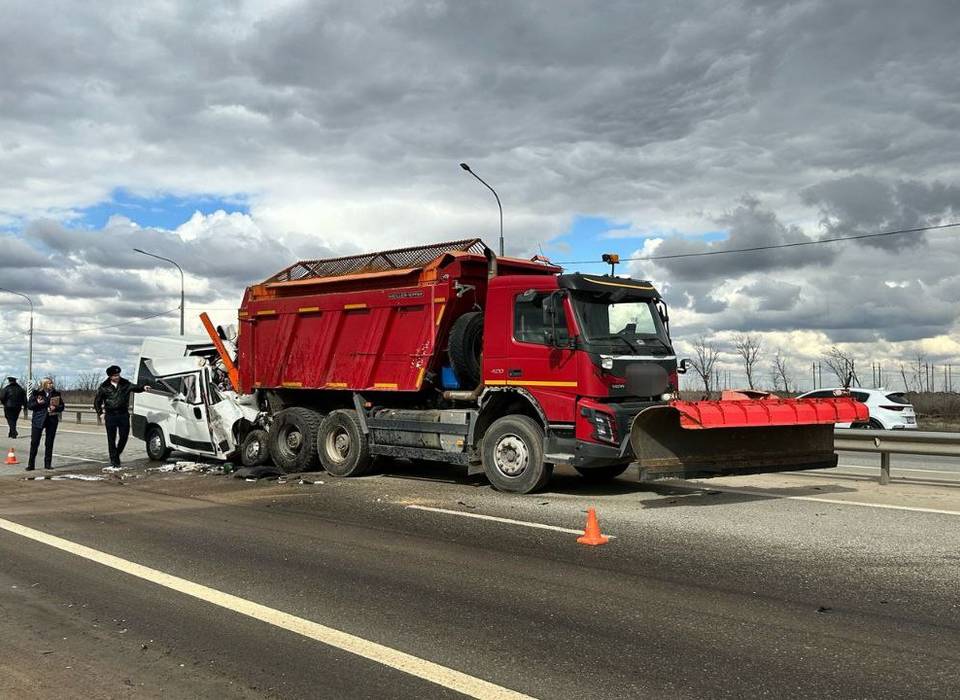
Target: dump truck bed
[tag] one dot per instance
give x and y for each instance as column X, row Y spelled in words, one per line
column 375, row 322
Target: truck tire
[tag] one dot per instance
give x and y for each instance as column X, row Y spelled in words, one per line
column 598, row 475
column 342, row 446
column 512, row 453
column 466, row 347
column 254, row 450
column 292, row 439
column 157, row 449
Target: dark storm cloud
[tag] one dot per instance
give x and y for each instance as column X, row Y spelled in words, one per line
column 748, row 226
column 863, row 204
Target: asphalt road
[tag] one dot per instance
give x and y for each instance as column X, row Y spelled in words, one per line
column 787, row 586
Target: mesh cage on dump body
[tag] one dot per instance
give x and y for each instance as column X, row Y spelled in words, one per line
column 401, row 258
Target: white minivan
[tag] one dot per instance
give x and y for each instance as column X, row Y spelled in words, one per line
column 191, row 408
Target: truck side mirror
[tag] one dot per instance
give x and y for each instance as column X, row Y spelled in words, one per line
column 550, row 335
column 683, row 366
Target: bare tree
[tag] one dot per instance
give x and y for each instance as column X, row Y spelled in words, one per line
column 86, row 381
column 842, row 365
column 919, row 373
column 748, row 347
column 705, row 357
column 780, row 372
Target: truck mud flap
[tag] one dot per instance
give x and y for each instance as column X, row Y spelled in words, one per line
column 663, row 448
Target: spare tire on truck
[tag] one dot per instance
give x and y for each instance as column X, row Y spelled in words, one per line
column 292, row 439
column 466, row 348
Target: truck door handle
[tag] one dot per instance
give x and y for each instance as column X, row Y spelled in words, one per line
column 514, row 372
column 196, row 412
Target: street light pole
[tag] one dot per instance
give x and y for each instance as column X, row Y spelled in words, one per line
column 30, row 342
column 467, row 168
column 172, row 262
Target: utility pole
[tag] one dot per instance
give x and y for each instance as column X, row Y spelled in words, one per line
column 467, row 168
column 30, row 341
column 160, row 257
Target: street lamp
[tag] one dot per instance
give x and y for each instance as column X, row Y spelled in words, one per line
column 30, row 350
column 160, row 257
column 467, row 168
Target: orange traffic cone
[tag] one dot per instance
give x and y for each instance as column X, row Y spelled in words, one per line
column 592, row 534
column 11, row 457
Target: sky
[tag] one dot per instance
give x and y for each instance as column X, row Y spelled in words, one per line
column 237, row 137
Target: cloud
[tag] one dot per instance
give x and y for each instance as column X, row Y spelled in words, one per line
column 340, row 125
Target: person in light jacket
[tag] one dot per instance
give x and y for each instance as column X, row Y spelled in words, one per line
column 47, row 405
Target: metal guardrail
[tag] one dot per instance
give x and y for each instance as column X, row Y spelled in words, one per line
column 888, row 442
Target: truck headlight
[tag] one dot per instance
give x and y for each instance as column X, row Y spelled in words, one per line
column 606, row 362
column 604, row 427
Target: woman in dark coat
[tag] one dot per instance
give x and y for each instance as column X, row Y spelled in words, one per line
column 47, row 405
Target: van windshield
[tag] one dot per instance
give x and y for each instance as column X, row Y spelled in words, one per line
column 632, row 323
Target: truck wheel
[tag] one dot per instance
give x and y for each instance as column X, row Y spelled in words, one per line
column 598, row 475
column 254, row 450
column 291, row 439
column 466, row 348
column 512, row 452
column 157, row 449
column 342, row 446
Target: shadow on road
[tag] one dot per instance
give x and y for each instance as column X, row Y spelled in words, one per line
column 694, row 495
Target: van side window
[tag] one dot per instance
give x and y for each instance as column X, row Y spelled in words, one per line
column 528, row 324
column 189, row 389
column 174, row 383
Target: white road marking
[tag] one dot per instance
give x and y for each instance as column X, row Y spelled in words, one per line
column 80, row 459
column 817, row 499
column 82, row 432
column 401, row 661
column 508, row 521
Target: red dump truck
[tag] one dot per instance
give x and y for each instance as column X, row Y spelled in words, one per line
column 447, row 352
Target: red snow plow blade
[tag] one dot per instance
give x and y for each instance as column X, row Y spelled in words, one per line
column 743, row 433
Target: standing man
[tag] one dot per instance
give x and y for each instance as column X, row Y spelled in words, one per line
column 47, row 405
column 13, row 398
column 113, row 398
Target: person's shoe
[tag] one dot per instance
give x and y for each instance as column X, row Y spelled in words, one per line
column 48, row 468
column 28, row 469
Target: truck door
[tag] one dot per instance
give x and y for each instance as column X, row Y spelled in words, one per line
column 538, row 354
column 192, row 430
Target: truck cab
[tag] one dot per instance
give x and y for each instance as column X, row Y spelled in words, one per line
column 589, row 352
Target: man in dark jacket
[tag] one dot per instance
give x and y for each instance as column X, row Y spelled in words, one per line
column 13, row 398
column 47, row 405
column 113, row 398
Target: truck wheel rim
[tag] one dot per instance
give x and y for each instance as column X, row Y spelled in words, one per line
column 511, row 456
column 253, row 449
column 338, row 445
column 294, row 439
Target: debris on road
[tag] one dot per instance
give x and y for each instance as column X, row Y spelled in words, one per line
column 261, row 472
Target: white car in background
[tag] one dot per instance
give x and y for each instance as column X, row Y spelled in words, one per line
column 889, row 410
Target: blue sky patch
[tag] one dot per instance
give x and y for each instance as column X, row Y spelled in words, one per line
column 166, row 211
column 591, row 236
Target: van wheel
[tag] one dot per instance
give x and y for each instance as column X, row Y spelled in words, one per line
column 512, row 452
column 598, row 475
column 254, row 450
column 291, row 439
column 343, row 448
column 466, row 347
column 157, row 449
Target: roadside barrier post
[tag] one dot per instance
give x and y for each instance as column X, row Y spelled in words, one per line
column 884, row 468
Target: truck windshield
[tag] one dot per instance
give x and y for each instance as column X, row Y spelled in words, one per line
column 630, row 323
